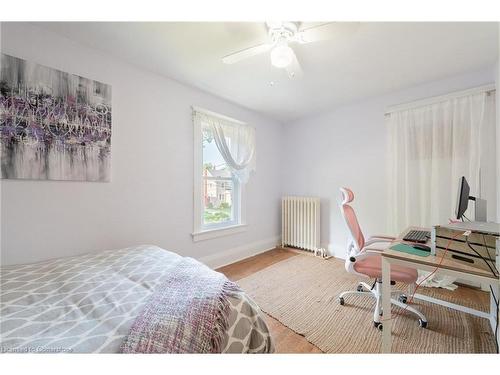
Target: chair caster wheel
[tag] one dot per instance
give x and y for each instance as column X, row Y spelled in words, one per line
column 341, row 301
column 403, row 299
column 359, row 288
column 378, row 325
column 422, row 323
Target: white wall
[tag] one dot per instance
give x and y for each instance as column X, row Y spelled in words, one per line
column 150, row 198
column 347, row 147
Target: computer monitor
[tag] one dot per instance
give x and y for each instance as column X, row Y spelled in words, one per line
column 462, row 198
column 480, row 207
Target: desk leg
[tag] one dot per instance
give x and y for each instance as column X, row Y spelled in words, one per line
column 493, row 308
column 386, row 306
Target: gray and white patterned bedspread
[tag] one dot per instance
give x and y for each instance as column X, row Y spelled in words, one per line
column 87, row 304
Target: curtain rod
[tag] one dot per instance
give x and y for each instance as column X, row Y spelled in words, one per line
column 215, row 114
column 488, row 89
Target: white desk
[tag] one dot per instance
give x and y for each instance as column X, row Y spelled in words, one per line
column 448, row 267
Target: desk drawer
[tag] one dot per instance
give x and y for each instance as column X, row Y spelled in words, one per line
column 483, row 245
column 459, row 245
column 472, row 260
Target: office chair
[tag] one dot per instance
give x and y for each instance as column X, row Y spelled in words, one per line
column 363, row 259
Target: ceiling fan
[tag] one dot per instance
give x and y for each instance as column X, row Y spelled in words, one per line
column 282, row 34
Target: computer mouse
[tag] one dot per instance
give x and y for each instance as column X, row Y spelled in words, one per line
column 421, row 247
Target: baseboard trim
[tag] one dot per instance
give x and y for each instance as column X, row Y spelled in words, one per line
column 236, row 254
column 336, row 251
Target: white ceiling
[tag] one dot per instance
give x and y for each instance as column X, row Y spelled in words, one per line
column 378, row 58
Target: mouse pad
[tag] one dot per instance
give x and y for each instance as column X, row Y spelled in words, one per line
column 410, row 250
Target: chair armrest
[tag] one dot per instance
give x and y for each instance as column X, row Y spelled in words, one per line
column 372, row 241
column 373, row 250
column 382, row 236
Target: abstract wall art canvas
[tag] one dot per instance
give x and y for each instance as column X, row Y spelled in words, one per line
column 53, row 125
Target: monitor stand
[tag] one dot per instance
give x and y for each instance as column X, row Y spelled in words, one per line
column 480, row 213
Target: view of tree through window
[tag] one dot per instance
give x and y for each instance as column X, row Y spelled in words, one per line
column 218, row 184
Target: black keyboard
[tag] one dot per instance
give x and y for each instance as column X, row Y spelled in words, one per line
column 417, row 236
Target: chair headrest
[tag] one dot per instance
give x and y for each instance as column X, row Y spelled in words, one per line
column 347, row 195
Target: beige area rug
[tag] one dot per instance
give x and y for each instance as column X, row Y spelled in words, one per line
column 301, row 292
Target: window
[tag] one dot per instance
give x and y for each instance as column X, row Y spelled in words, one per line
column 224, row 155
column 221, row 189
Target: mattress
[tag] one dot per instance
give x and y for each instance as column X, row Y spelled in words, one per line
column 87, row 303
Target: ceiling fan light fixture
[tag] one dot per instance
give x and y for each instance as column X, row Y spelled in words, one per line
column 281, row 55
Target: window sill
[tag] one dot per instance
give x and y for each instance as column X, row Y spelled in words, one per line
column 218, row 232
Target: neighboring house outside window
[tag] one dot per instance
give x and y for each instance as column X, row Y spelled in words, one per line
column 217, row 194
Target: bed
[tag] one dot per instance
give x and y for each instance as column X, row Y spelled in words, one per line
column 91, row 304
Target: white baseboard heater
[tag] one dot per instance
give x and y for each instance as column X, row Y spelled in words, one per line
column 300, row 223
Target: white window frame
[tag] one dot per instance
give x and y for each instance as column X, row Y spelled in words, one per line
column 203, row 231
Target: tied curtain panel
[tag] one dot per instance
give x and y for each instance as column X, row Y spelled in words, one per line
column 430, row 148
column 235, row 141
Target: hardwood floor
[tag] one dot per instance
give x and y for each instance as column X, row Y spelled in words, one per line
column 286, row 340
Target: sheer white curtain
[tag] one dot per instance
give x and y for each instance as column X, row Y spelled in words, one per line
column 430, row 148
column 235, row 141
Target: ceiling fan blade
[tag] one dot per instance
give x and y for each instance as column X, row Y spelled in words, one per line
column 294, row 70
column 246, row 53
column 274, row 24
column 326, row 31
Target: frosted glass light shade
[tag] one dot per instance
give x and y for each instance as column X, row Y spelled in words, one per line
column 281, row 56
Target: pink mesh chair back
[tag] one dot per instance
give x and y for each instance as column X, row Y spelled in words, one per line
column 351, row 219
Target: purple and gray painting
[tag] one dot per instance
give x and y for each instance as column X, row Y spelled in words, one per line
column 53, row 125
